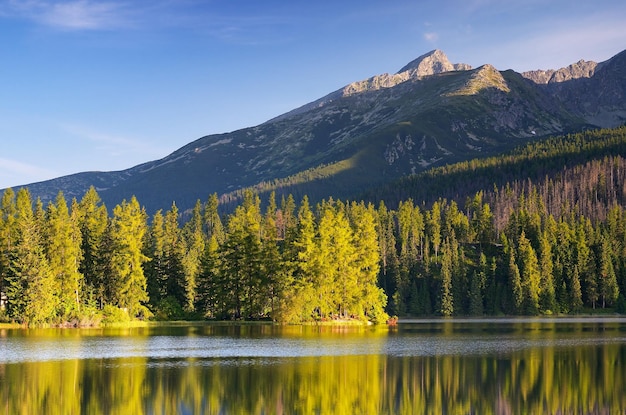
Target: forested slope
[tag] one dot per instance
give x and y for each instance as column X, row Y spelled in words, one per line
column 541, row 230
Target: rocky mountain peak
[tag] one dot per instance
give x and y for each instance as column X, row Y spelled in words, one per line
column 580, row 69
column 431, row 63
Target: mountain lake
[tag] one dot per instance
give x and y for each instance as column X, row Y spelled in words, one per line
column 431, row 366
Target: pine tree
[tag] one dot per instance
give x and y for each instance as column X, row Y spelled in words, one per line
column 164, row 271
column 477, row 287
column 370, row 300
column 212, row 220
column 93, row 222
column 434, row 227
column 241, row 259
column 547, row 296
column 515, row 282
column 271, row 261
column 298, row 300
column 575, row 293
column 529, row 274
column 153, row 269
column 584, row 260
column 447, row 299
column 32, row 287
column 63, row 248
column 194, row 239
column 336, row 282
column 8, row 237
column 128, row 282
column 390, row 266
column 609, row 290
column 210, row 287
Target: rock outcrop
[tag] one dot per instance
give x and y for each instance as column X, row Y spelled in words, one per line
column 580, row 69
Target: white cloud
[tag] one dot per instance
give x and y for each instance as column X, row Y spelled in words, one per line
column 69, row 14
column 114, row 145
column 565, row 44
column 431, row 37
column 13, row 170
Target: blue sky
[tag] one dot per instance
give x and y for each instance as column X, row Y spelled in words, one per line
column 105, row 85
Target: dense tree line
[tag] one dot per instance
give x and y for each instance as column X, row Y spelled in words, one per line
column 534, row 161
column 555, row 246
column 79, row 264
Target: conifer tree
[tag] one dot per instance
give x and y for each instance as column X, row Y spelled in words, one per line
column 370, row 300
column 547, row 298
column 584, row 260
column 194, row 239
column 32, row 287
column 212, row 220
column 241, row 259
column 93, row 222
column 8, row 213
column 389, row 262
column 609, row 290
column 128, row 281
column 529, row 274
column 477, row 287
column 272, row 266
column 298, row 300
column 515, row 281
column 447, row 298
column 154, row 249
column 337, row 279
column 575, row 292
column 63, row 248
column 434, row 227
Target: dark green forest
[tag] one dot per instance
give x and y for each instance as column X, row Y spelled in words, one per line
column 541, row 230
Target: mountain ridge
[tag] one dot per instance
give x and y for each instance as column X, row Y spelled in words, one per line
column 431, row 112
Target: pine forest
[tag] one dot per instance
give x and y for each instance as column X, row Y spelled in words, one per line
column 541, row 230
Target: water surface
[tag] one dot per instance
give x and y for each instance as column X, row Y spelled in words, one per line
column 471, row 366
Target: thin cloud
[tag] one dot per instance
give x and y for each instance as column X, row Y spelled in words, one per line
column 431, row 37
column 69, row 15
column 12, row 169
column 114, row 145
column 566, row 44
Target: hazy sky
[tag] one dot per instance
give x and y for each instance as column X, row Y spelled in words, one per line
column 105, row 85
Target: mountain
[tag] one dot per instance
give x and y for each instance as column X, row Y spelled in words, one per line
column 430, row 113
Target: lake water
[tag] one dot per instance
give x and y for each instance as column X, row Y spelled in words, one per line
column 473, row 366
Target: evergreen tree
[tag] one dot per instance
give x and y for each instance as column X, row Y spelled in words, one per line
column 477, row 287
column 609, row 290
column 576, row 300
column 8, row 237
column 288, row 222
column 434, row 226
column 336, row 282
column 32, row 288
column 63, row 248
column 547, row 296
column 515, row 281
column 128, row 282
column 529, row 274
column 447, row 300
column 369, row 299
column 389, row 262
column 272, row 265
column 584, row 260
column 298, row 298
column 212, row 220
column 93, row 222
column 241, row 259
column 194, row 239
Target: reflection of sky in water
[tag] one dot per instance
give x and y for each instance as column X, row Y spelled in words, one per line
column 418, row 338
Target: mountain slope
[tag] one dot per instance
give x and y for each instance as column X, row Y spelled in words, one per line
column 430, row 113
